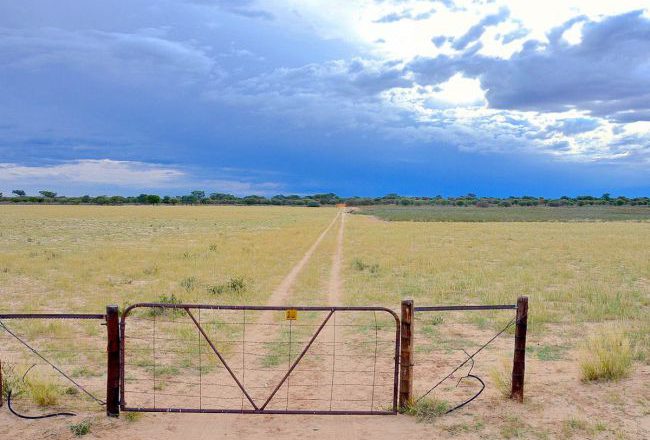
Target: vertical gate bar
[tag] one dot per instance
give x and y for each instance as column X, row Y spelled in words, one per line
column 113, row 362
column 302, row 354
column 289, row 366
column 519, row 360
column 1, row 394
column 406, row 355
column 223, row 361
column 243, row 355
column 200, row 369
column 153, row 350
column 374, row 365
column 122, row 357
column 333, row 361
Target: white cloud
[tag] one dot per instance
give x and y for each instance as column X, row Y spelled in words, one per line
column 93, row 171
column 71, row 177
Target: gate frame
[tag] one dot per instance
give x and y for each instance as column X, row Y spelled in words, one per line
column 262, row 409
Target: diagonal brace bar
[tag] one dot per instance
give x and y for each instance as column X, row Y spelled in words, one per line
column 223, row 361
column 293, row 366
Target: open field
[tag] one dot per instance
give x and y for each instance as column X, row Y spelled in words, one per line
column 508, row 214
column 582, row 278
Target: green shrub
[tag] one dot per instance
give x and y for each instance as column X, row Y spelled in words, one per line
column 362, row 266
column 606, row 355
column 164, row 299
column 235, row 284
column 81, row 428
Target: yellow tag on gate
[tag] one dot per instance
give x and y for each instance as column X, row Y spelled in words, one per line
column 291, row 314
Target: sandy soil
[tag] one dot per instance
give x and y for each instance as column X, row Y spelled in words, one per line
column 335, row 285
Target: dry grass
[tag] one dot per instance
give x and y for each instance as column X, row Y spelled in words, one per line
column 572, row 272
column 501, row 376
column 84, row 257
column 607, row 355
column 577, row 275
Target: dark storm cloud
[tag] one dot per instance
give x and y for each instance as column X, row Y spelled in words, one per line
column 607, row 73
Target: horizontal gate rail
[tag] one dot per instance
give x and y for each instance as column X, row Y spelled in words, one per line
column 453, row 308
column 51, row 316
column 262, row 409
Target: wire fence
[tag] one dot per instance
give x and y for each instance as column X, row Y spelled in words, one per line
column 259, row 359
column 255, row 359
column 53, row 364
column 458, row 353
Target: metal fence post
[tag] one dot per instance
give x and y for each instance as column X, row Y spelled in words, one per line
column 519, row 361
column 406, row 355
column 113, row 372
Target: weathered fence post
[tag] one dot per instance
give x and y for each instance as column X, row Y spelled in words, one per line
column 406, row 355
column 1, row 395
column 113, row 372
column 519, row 361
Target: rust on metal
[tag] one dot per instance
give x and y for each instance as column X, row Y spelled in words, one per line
column 113, row 362
column 263, row 409
column 302, row 354
column 406, row 355
column 223, row 361
column 519, row 360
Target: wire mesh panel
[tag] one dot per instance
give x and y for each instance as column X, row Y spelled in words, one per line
column 201, row 358
column 459, row 350
column 53, row 363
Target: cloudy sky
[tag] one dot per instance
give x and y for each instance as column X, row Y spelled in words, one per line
column 352, row 96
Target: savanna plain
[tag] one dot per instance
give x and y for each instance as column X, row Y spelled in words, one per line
column 586, row 274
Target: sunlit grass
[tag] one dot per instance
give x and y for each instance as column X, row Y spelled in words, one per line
column 84, row 257
column 572, row 272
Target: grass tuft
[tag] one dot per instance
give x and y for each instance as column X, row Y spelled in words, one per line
column 606, row 355
column 427, row 410
column 502, row 378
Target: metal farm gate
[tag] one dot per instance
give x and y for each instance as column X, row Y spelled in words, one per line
column 259, row 359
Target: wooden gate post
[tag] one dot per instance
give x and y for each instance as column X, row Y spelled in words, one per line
column 519, row 361
column 113, row 372
column 406, row 355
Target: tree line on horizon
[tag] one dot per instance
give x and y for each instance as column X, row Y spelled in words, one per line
column 315, row 200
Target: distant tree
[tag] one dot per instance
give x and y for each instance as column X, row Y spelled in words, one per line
column 47, row 194
column 19, row 192
column 200, row 195
column 606, row 196
column 153, row 199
